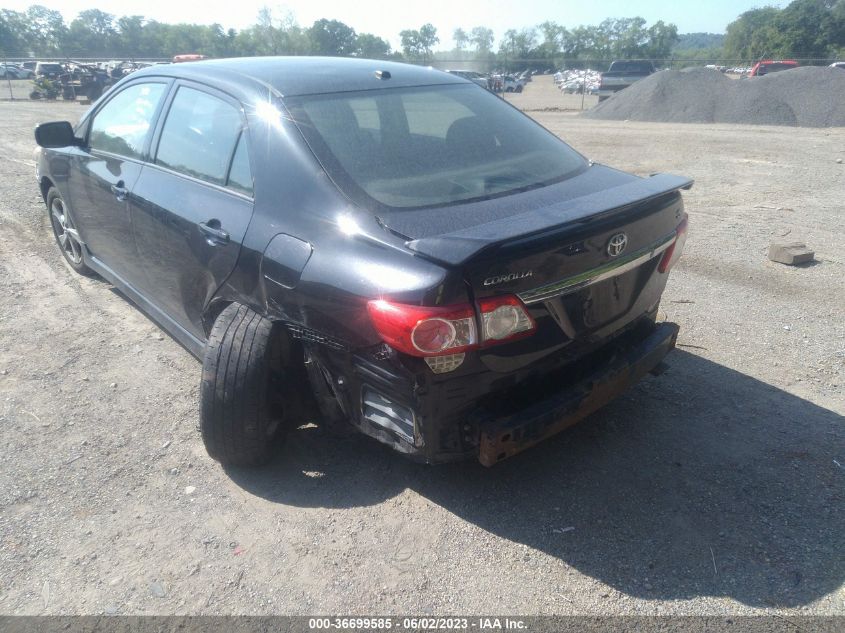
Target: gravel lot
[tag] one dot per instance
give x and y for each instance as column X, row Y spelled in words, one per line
column 716, row 488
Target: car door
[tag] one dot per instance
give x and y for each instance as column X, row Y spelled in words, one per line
column 105, row 169
column 192, row 204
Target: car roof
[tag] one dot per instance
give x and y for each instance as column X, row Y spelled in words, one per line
column 293, row 76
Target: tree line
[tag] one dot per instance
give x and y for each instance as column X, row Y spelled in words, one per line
column 42, row 32
column 805, row 28
column 808, row 29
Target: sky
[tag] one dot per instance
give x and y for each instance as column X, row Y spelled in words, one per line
column 386, row 19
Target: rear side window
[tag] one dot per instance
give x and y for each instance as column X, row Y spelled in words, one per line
column 199, row 136
column 240, row 176
column 122, row 125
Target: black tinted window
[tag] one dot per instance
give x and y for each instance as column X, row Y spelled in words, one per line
column 199, row 135
column 240, row 176
column 430, row 146
column 773, row 68
column 632, row 67
column 123, row 124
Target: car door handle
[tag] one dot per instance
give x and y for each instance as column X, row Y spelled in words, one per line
column 214, row 234
column 120, row 192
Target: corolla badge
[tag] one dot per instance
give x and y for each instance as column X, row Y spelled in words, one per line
column 500, row 279
column 616, row 245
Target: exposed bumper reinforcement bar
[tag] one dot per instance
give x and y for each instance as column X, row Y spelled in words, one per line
column 503, row 437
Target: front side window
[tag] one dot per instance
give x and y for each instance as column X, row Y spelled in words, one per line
column 123, row 124
column 199, row 136
column 430, row 146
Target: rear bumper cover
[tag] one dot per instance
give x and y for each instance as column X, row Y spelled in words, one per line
column 503, row 437
column 485, row 414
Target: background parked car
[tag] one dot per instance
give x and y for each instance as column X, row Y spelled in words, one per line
column 838, row 65
column 513, row 84
column 49, row 70
column 621, row 74
column 13, row 71
column 473, row 76
column 578, row 81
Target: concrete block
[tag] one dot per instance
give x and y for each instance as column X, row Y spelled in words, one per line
column 790, row 253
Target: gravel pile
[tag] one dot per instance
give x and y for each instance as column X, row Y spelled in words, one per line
column 809, row 96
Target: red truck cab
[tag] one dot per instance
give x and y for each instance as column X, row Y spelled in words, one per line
column 772, row 66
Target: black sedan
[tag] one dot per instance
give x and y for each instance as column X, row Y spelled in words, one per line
column 376, row 245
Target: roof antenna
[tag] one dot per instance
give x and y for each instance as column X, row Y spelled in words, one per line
column 383, row 74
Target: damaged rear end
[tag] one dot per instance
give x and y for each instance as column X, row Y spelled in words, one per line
column 560, row 318
column 547, row 292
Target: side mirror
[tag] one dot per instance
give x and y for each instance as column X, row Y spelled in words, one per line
column 56, row 134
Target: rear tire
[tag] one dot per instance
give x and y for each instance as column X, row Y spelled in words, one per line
column 240, row 395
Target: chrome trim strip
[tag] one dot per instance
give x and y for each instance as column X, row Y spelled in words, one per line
column 595, row 275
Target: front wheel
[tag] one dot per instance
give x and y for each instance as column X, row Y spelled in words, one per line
column 241, row 416
column 65, row 233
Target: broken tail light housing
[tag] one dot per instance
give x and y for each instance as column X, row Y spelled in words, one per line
column 504, row 319
column 424, row 331
column 439, row 331
column 673, row 253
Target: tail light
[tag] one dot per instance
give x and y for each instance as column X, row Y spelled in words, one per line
column 424, row 331
column 673, row 253
column 504, row 319
column 440, row 331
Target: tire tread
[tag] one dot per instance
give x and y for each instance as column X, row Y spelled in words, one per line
column 235, row 410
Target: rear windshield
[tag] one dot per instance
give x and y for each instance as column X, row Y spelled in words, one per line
column 631, row 67
column 50, row 67
column 431, row 146
column 773, row 68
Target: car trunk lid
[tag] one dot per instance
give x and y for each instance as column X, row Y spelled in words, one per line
column 584, row 262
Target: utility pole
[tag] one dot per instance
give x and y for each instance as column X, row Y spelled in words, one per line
column 8, row 77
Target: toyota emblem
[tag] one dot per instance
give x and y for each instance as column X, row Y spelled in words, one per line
column 617, row 244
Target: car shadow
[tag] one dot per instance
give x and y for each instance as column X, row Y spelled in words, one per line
column 702, row 482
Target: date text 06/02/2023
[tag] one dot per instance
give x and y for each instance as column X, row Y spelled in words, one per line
column 418, row 624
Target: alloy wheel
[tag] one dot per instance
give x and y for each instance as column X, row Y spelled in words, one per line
column 66, row 235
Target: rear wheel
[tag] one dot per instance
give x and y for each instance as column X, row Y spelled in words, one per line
column 241, row 413
column 65, row 233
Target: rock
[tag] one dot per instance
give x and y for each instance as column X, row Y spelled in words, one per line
column 790, row 253
column 113, row 385
column 157, row 589
column 189, row 490
column 111, row 609
column 838, row 161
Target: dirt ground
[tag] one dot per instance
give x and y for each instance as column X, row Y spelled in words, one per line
column 717, row 488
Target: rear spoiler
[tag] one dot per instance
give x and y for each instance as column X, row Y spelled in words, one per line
column 458, row 247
